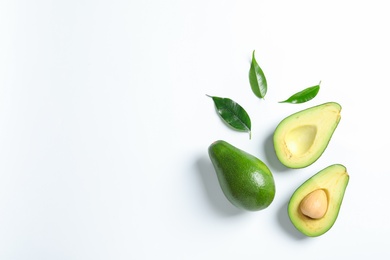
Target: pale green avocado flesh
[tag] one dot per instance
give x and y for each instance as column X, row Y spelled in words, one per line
column 301, row 138
column 245, row 180
column 333, row 180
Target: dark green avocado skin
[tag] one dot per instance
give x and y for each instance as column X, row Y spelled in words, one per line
column 245, row 180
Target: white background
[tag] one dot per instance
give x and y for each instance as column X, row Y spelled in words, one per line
column 105, row 125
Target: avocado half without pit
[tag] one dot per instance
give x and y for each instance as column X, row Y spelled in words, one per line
column 301, row 138
column 315, row 205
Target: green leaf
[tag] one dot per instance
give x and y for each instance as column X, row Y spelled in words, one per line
column 303, row 96
column 232, row 114
column 257, row 79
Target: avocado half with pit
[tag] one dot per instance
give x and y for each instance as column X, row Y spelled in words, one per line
column 301, row 138
column 315, row 205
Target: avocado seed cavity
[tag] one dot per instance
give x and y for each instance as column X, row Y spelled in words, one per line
column 315, row 204
column 300, row 139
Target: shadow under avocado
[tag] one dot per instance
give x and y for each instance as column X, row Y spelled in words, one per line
column 287, row 226
column 271, row 155
column 213, row 190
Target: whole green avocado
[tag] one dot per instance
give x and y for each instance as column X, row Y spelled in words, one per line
column 245, row 180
